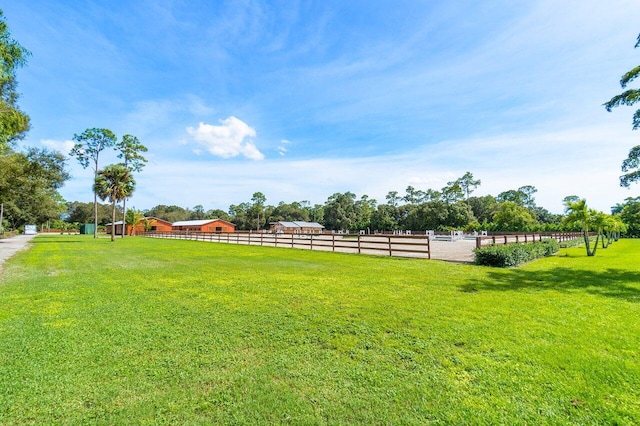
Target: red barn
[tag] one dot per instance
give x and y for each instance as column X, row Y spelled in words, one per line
column 204, row 225
column 156, row 224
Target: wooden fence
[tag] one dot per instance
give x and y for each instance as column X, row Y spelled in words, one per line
column 525, row 238
column 385, row 245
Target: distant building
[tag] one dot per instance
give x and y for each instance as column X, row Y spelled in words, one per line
column 296, row 227
column 204, row 225
column 156, row 225
column 118, row 226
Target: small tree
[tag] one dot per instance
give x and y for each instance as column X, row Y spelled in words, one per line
column 511, row 217
column 14, row 124
column 468, row 184
column 133, row 219
column 579, row 215
column 131, row 152
column 453, row 192
column 89, row 145
column 257, row 208
column 115, row 183
column 631, row 165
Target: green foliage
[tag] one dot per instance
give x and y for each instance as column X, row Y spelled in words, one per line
column 522, row 196
column 509, row 255
column 512, row 217
column 579, row 216
column 340, row 212
column 169, row 213
column 78, row 212
column 385, row 217
column 630, row 215
column 115, row 183
column 13, row 123
column 29, row 184
column 89, row 145
column 483, row 208
column 468, row 184
column 631, row 165
column 453, row 192
column 130, row 150
column 289, row 212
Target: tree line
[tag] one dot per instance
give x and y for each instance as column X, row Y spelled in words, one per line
column 245, row 215
column 29, row 179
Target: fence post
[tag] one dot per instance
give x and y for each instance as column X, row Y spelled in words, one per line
column 358, row 243
column 390, row 251
column 333, row 242
column 311, row 242
column 428, row 247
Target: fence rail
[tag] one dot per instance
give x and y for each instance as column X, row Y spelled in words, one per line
column 385, row 245
column 525, row 238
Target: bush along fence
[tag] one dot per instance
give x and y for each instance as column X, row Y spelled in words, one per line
column 507, row 255
column 381, row 245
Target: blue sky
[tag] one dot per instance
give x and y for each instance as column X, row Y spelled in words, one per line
column 300, row 100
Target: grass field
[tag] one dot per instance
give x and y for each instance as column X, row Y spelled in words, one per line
column 161, row 331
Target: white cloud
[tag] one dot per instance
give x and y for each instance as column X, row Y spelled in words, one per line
column 282, row 150
column 63, row 147
column 230, row 139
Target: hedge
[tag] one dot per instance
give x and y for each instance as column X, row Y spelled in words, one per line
column 515, row 254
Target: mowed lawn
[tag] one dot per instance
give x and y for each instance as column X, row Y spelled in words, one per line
column 163, row 331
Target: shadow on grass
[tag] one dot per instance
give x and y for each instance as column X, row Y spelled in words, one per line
column 616, row 283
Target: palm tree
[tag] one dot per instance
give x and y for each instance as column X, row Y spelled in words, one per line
column 131, row 152
column 599, row 222
column 115, row 182
column 580, row 216
column 135, row 218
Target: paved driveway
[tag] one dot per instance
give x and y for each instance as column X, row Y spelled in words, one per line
column 9, row 246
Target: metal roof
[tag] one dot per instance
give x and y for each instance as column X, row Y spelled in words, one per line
column 194, row 222
column 300, row 224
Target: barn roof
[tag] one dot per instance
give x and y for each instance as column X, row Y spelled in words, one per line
column 300, row 224
column 200, row 222
column 157, row 219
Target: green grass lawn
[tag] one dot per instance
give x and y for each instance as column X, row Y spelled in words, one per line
column 164, row 331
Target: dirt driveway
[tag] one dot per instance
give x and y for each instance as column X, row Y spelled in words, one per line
column 10, row 246
column 453, row 251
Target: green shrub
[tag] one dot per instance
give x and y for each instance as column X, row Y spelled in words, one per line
column 515, row 254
